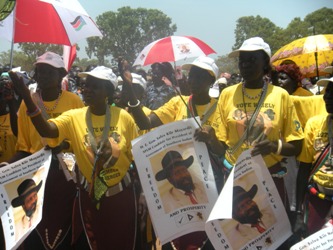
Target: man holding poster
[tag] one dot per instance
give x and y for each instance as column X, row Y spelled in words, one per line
column 202, row 74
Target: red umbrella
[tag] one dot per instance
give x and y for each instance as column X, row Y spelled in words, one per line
column 172, row 49
column 52, row 21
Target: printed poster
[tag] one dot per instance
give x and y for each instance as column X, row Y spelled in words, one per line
column 176, row 177
column 249, row 213
column 22, row 185
column 321, row 240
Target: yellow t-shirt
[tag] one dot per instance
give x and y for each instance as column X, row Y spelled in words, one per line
column 147, row 112
column 28, row 138
column 277, row 119
column 315, row 139
column 308, row 106
column 302, row 92
column 175, row 110
column 122, row 130
column 7, row 138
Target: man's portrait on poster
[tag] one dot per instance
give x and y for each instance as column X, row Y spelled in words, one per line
column 180, row 187
column 252, row 215
column 27, row 199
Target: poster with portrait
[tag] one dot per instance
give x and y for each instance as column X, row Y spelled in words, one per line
column 176, row 177
column 22, row 185
column 249, row 213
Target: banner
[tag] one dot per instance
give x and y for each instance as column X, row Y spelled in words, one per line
column 176, row 177
column 249, row 213
column 22, row 185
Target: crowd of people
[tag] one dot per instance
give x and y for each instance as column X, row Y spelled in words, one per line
column 263, row 108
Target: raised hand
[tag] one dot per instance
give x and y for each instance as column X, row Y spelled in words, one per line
column 124, row 69
column 19, row 85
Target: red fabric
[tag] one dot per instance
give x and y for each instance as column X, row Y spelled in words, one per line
column 192, row 197
column 58, row 204
column 190, row 241
column 318, row 210
column 71, row 57
column 260, row 228
column 30, row 28
column 113, row 224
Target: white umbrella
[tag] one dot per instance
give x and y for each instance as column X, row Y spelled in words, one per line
column 172, row 49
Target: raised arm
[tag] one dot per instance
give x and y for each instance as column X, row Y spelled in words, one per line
column 144, row 122
column 44, row 128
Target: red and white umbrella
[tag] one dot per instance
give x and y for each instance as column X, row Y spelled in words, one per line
column 50, row 21
column 172, row 49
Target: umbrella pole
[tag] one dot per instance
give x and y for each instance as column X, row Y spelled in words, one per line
column 11, row 54
column 317, row 70
column 12, row 43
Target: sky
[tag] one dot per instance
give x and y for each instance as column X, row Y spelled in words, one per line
column 213, row 21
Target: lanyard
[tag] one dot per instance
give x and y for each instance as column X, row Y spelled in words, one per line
column 91, row 134
column 192, row 111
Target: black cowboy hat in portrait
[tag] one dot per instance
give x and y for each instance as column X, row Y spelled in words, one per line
column 172, row 159
column 240, row 193
column 24, row 189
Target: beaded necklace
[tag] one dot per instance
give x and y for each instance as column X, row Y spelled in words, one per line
column 51, row 246
column 247, row 131
column 256, row 96
column 43, row 105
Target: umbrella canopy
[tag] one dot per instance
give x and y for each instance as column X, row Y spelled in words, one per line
column 312, row 54
column 52, row 21
column 172, row 49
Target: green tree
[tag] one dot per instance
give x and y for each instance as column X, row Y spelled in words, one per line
column 85, row 62
column 226, row 64
column 127, row 32
column 250, row 26
column 33, row 50
column 28, row 52
column 20, row 59
column 317, row 22
column 321, row 21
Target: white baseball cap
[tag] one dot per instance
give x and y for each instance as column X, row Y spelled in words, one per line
column 222, row 81
column 52, row 59
column 102, row 72
column 252, row 44
column 204, row 62
column 324, row 81
column 136, row 79
column 214, row 91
